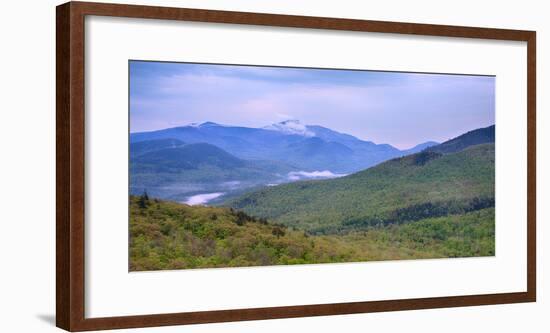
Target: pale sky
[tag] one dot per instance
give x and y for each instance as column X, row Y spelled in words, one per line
column 402, row 109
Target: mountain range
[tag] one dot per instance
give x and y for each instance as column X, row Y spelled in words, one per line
column 178, row 163
column 304, row 147
column 455, row 177
column 438, row 202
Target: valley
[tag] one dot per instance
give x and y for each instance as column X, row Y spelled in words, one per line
column 207, row 207
column 198, row 159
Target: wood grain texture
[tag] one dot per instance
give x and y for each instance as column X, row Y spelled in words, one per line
column 70, row 192
column 62, row 232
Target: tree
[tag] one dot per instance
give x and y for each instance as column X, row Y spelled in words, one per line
column 143, row 200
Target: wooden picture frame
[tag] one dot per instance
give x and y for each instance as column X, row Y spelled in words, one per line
column 70, row 196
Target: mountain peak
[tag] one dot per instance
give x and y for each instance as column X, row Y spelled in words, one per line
column 291, row 121
column 204, row 124
column 291, row 127
column 209, row 123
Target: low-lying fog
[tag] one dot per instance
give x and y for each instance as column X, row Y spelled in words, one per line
column 232, row 186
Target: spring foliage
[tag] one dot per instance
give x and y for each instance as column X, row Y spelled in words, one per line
column 426, row 205
column 168, row 235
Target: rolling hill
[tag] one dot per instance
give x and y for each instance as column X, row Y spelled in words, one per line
column 185, row 157
column 410, row 188
column 168, row 235
column 184, row 170
column 142, row 147
column 435, row 203
column 475, row 137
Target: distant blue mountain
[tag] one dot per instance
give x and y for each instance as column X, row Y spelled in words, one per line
column 349, row 140
column 186, row 157
column 419, row 148
column 177, row 171
column 142, row 147
column 302, row 146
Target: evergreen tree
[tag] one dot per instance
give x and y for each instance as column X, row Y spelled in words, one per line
column 143, row 200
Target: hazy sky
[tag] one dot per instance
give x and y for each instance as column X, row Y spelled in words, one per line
column 402, row 109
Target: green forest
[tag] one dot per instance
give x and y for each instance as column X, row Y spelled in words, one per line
column 437, row 203
column 168, row 235
column 425, row 205
column 409, row 188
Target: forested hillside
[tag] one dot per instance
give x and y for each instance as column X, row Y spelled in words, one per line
column 170, row 169
column 436, row 203
column 422, row 185
column 168, row 235
column 461, row 142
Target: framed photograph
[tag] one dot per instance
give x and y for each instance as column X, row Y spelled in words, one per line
column 223, row 166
